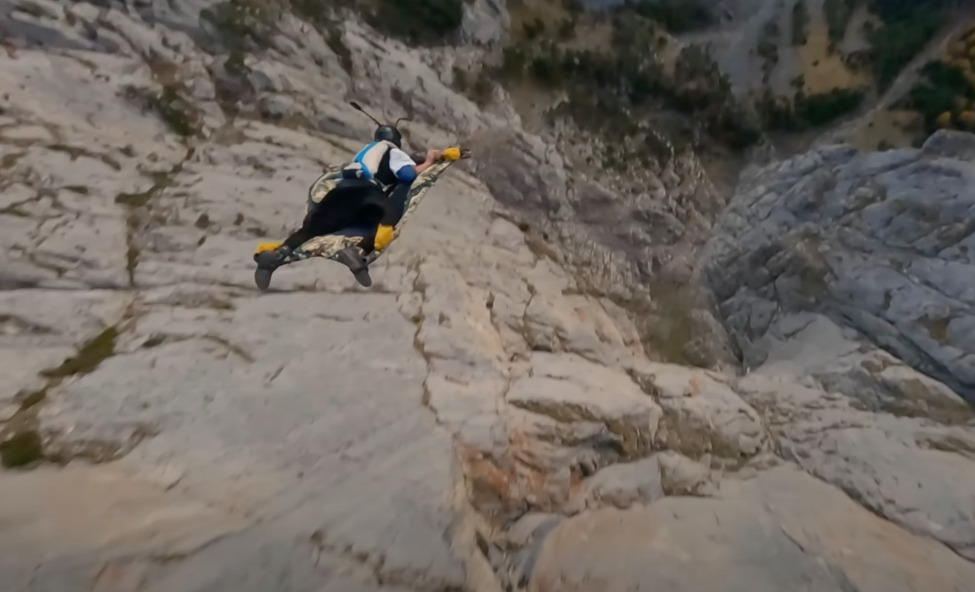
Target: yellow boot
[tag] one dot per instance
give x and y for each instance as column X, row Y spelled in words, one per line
column 384, row 235
column 266, row 247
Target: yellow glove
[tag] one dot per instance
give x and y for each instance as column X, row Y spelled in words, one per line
column 384, row 235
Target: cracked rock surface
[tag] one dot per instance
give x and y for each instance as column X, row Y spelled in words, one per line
column 877, row 241
column 477, row 420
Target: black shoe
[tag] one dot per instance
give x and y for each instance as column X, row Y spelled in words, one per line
column 267, row 262
column 351, row 258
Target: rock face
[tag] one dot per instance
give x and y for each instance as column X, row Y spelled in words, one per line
column 782, row 530
column 878, row 241
column 478, row 420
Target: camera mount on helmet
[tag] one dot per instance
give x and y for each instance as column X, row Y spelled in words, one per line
column 384, row 132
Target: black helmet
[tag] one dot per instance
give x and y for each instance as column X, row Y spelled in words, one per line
column 390, row 134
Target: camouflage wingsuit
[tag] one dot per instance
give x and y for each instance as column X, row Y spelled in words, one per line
column 329, row 245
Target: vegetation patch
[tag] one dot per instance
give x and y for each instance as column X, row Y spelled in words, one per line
column 136, row 203
column 908, row 25
column 418, row 22
column 800, row 23
column 22, row 444
column 702, row 90
column 612, row 89
column 21, row 449
column 677, row 16
column 936, row 327
column 945, row 93
column 320, row 13
column 336, row 42
column 243, row 25
column 89, row 357
column 895, row 32
column 666, row 327
column 768, row 48
column 9, row 161
column 838, row 14
column 178, row 113
column 804, row 112
column 548, row 50
column 477, row 86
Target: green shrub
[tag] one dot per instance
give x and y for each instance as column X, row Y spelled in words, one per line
column 820, row 109
column 240, row 23
column 702, row 90
column 21, row 449
column 573, row 6
column 939, row 90
column 418, row 22
column 483, row 88
column 905, row 10
column 316, row 12
column 800, row 23
column 610, row 91
column 735, row 124
column 546, row 70
column 533, row 29
column 677, row 16
column 776, row 113
column 769, row 53
column 768, row 48
column 930, row 101
column 478, row 87
column 566, row 30
column 837, row 13
column 895, row 44
column 335, row 41
column 513, row 62
column 907, row 27
column 804, row 112
column 180, row 115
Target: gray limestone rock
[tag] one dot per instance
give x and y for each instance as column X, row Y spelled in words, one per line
column 464, row 423
column 878, row 241
column 783, row 530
